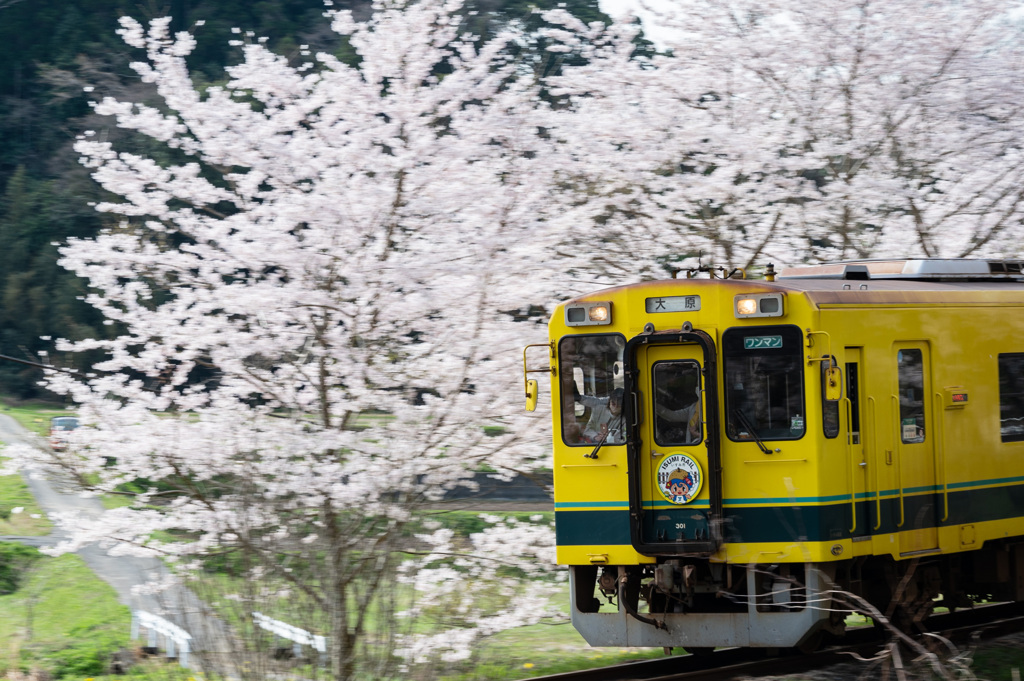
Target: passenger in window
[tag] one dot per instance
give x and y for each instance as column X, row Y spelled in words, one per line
column 690, row 415
column 605, row 422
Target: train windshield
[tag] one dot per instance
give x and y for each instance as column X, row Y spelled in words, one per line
column 592, row 389
column 764, row 393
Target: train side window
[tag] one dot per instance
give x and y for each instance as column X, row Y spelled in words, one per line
column 829, row 410
column 591, row 388
column 910, row 368
column 853, row 393
column 1011, row 396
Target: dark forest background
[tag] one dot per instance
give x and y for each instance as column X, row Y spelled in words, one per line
column 50, row 52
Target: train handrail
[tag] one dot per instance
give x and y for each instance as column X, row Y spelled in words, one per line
column 939, row 454
column 898, row 450
column 878, row 490
column 849, row 464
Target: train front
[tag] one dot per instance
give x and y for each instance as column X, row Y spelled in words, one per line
column 681, row 413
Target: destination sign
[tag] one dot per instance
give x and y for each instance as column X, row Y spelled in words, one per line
column 761, row 342
column 673, row 304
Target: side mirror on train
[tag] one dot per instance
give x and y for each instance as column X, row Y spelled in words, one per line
column 833, row 384
column 531, row 395
column 531, row 385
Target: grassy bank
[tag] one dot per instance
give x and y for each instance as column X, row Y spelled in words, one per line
column 539, row 650
column 14, row 493
column 63, row 620
column 29, row 521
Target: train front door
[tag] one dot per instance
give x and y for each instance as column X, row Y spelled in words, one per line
column 914, row 438
column 676, row 494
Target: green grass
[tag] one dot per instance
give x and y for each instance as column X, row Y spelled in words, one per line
column 14, row 493
column 30, row 521
column 63, row 620
column 542, row 649
column 997, row 661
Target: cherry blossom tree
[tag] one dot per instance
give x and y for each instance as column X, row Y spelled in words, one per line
column 312, row 283
column 314, row 277
column 786, row 131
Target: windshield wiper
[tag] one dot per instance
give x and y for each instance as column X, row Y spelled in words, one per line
column 600, row 443
column 745, row 422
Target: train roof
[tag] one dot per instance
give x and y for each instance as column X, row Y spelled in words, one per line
column 931, row 269
column 924, row 281
column 872, row 282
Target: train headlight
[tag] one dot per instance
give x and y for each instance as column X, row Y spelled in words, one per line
column 759, row 305
column 746, row 306
column 588, row 314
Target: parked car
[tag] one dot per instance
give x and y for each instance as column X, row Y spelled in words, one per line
column 60, row 426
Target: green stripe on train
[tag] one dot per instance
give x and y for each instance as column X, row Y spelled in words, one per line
column 796, row 522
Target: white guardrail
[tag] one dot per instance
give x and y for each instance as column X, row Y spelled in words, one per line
column 172, row 633
column 176, row 636
column 300, row 637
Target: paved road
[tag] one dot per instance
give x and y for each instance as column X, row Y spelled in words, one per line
column 123, row 573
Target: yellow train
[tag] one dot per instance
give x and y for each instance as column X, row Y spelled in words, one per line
column 727, row 451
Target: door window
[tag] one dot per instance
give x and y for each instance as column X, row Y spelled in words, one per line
column 910, row 365
column 677, row 416
column 1011, row 397
column 853, row 392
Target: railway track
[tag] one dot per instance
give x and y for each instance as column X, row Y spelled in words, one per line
column 961, row 628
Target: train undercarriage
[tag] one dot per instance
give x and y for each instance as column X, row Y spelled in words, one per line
column 699, row 605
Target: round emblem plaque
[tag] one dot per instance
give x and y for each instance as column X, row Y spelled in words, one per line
column 679, row 478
